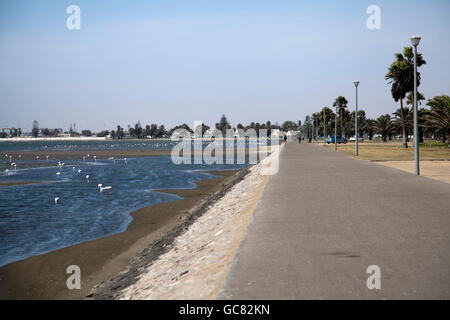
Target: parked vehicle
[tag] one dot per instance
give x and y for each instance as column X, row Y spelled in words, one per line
column 339, row 139
column 359, row 139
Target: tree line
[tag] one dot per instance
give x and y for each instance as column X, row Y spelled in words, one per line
column 433, row 122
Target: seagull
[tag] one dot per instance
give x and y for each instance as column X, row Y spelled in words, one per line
column 108, row 189
column 56, row 200
column 58, row 173
column 7, row 172
column 95, row 158
column 47, row 157
column 87, row 179
column 126, row 162
column 80, row 171
column 73, row 169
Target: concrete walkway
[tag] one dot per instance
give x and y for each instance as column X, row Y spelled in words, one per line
column 325, row 217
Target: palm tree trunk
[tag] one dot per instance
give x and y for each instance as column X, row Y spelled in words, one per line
column 405, row 143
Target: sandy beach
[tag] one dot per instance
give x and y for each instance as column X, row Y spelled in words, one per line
column 44, row 276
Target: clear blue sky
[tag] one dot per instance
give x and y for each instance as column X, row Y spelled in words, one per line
column 174, row 61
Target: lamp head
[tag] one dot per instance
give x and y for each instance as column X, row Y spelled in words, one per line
column 415, row 40
column 356, row 83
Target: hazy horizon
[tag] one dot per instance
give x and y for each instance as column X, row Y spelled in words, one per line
column 173, row 62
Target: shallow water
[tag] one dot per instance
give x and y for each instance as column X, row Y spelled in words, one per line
column 80, row 145
column 31, row 223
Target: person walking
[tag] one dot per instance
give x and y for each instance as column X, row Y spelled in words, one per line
column 285, row 138
column 299, row 139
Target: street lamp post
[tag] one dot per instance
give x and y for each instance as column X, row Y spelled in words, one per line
column 415, row 42
column 335, row 130
column 356, row 83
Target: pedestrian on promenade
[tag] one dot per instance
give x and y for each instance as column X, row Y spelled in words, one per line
column 299, row 139
column 285, row 138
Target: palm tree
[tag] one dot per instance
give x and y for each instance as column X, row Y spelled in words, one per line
column 401, row 75
column 403, row 117
column 362, row 122
column 327, row 114
column 341, row 103
column 439, row 116
column 384, row 126
column 347, row 119
column 370, row 128
column 410, row 98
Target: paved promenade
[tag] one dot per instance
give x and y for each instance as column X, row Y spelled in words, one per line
column 325, row 217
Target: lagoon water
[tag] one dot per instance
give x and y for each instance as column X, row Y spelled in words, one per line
column 31, row 223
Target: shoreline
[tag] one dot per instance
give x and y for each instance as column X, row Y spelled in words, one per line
column 193, row 262
column 44, row 276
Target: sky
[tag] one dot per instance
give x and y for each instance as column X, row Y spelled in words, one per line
column 177, row 61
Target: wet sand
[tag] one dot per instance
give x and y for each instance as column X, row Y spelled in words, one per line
column 44, row 276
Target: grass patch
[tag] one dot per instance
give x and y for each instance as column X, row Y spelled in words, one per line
column 379, row 151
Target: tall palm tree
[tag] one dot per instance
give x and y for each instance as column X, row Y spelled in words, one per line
column 384, row 126
column 341, row 103
column 401, row 75
column 439, row 116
